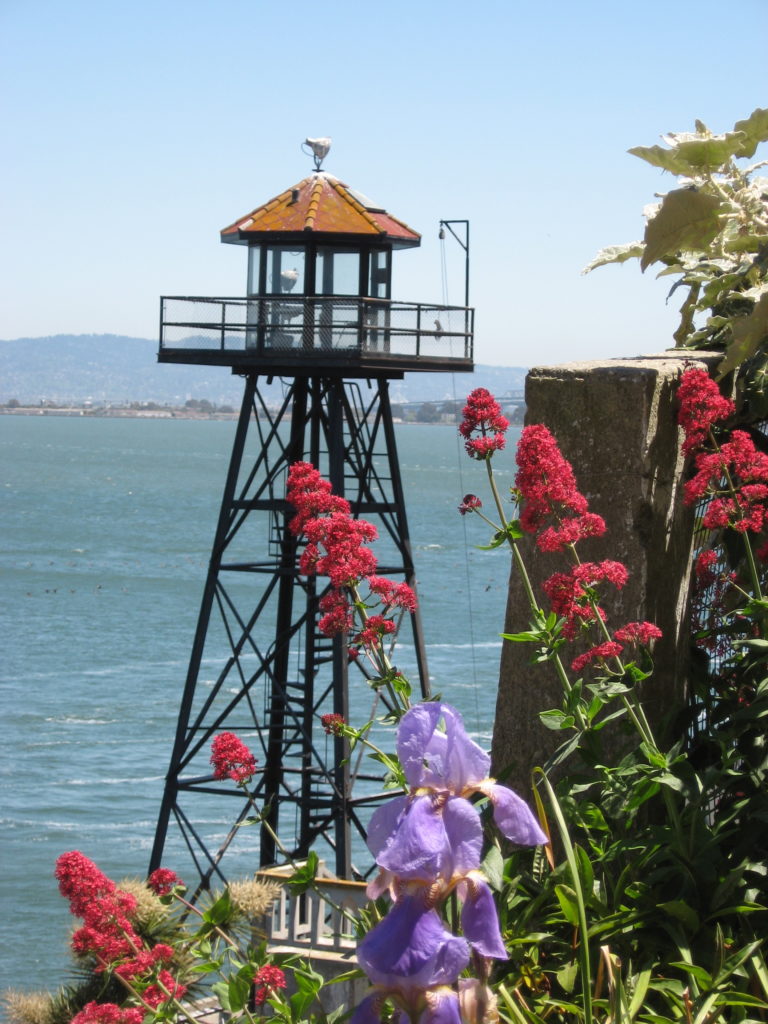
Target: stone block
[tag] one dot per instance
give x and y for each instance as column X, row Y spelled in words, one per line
column 615, row 422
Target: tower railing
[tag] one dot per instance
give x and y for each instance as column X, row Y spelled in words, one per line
column 298, row 327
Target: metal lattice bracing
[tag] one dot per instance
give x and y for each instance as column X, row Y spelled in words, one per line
column 259, row 667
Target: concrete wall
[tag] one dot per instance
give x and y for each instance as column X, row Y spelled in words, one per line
column 615, row 422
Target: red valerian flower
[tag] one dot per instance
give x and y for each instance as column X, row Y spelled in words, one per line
column 737, row 458
column 483, row 426
column 81, row 882
column 332, row 723
column 107, row 932
column 231, row 758
column 107, row 1013
column 346, row 559
column 569, row 593
column 145, row 961
column 167, row 988
column 391, row 594
column 311, row 496
column 547, row 490
column 469, row 503
column 163, row 880
column 609, row 649
column 643, row 633
column 337, row 613
column 375, row 629
column 706, row 566
column 267, row 979
column 336, row 547
column 701, row 406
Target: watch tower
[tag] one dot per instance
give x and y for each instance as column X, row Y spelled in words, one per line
column 318, row 320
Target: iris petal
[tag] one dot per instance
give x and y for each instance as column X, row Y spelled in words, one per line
column 369, row 1011
column 383, row 823
column 419, row 846
column 479, row 920
column 442, row 1008
column 464, row 837
column 435, row 759
column 411, row 950
column 513, row 816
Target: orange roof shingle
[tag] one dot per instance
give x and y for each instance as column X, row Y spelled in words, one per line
column 324, row 205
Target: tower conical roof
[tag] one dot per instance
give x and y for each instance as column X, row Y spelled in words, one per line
column 323, row 205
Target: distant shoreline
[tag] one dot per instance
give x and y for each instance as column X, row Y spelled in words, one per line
column 118, row 413
column 160, row 414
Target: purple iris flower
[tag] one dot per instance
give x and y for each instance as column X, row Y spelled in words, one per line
column 412, row 959
column 433, row 836
column 451, row 762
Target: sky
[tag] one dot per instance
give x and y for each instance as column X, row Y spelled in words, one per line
column 133, row 132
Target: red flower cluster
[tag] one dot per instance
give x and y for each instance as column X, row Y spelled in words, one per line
column 735, row 478
column 311, row 496
column 163, row 880
column 701, row 406
column 547, row 489
column 108, row 934
column 145, row 961
column 81, row 882
column 336, row 548
column 608, row 649
column 337, row 614
column 634, row 633
column 332, row 723
column 166, row 988
column 267, row 979
column 554, row 508
column 392, row 595
column 643, row 633
column 231, row 759
column 483, row 426
column 107, row 1013
column 571, row 593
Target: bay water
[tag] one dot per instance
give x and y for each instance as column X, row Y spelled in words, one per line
column 107, row 526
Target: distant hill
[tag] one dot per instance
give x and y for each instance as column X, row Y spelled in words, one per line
column 116, row 369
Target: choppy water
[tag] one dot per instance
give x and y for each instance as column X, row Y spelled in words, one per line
column 106, row 533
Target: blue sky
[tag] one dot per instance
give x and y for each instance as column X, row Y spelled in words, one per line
column 133, row 132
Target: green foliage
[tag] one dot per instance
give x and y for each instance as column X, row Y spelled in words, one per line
column 711, row 234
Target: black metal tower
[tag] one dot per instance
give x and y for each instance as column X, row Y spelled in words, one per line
column 318, row 320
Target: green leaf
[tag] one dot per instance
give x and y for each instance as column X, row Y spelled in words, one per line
column 585, row 869
column 527, row 637
column 566, row 897
column 498, row 540
column 749, row 333
column 514, row 530
column 615, row 254
column 304, row 877
column 239, row 989
column 493, row 868
column 219, row 912
column 691, row 153
column 567, row 976
column 682, row 912
column 638, row 992
column 556, row 719
column 221, row 990
column 687, row 220
column 754, row 130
